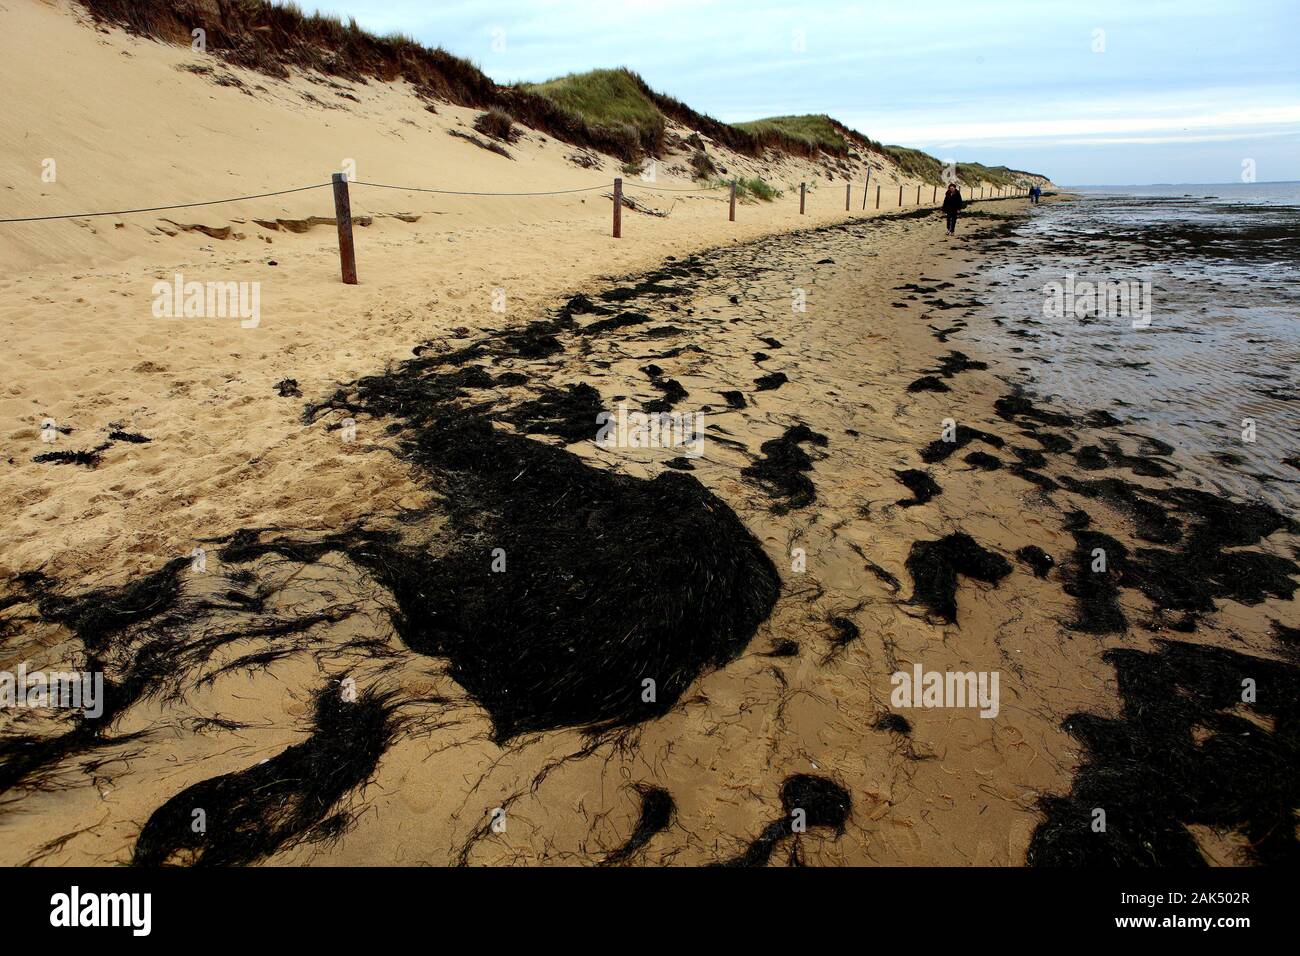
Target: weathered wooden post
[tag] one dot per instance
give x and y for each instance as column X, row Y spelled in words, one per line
column 877, row 196
column 343, row 216
column 900, row 195
column 918, row 194
column 866, row 188
column 934, row 197
column 733, row 201
column 801, row 197
column 848, row 189
column 618, row 208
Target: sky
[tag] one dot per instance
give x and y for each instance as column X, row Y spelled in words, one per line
column 1102, row 92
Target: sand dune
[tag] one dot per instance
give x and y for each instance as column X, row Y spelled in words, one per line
column 87, row 352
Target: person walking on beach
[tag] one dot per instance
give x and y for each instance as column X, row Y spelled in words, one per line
column 952, row 204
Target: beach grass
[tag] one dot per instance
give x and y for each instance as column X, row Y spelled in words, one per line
column 612, row 100
column 819, row 131
column 916, row 164
column 752, row 189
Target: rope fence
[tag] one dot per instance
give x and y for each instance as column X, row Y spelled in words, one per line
column 343, row 205
column 183, row 205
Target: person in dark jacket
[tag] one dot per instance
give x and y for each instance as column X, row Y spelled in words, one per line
column 952, row 204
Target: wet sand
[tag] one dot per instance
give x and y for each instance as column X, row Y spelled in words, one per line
column 828, row 466
column 1216, row 348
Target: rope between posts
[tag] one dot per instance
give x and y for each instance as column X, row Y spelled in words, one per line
column 343, row 210
column 285, row 192
column 415, row 189
column 660, row 189
column 456, row 192
column 184, row 205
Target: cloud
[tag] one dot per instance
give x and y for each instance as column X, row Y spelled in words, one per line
column 1236, row 124
column 1012, row 75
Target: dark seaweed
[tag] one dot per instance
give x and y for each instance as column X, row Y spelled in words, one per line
column 934, row 566
column 824, row 804
column 657, row 810
column 282, row 802
column 1182, row 753
column 920, row 484
column 1038, row 560
column 782, row 471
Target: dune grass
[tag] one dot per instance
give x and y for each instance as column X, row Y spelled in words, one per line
column 603, row 98
column 819, row 131
column 916, row 164
column 753, row 189
column 994, row 175
column 923, row 166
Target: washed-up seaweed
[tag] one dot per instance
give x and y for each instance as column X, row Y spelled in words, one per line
column 1206, row 736
column 287, row 800
column 783, row 470
column 934, row 566
column 657, row 810
column 823, row 802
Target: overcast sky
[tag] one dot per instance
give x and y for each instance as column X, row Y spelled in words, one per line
column 1140, row 91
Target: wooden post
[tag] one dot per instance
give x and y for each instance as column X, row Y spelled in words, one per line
column 900, row 195
column 877, row 196
column 618, row 208
column 848, row 189
column 935, row 195
column 866, row 188
column 343, row 216
column 918, row 194
column 801, row 198
column 733, row 200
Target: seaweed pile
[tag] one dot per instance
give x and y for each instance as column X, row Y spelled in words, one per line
column 281, row 802
column 963, row 435
column 782, row 471
column 601, row 595
column 921, row 485
column 934, row 566
column 1207, row 737
column 632, row 611
column 1204, row 534
column 152, row 638
column 807, row 801
column 561, row 594
column 657, row 811
column 1208, row 564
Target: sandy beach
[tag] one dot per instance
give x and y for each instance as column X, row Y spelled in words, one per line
column 367, row 586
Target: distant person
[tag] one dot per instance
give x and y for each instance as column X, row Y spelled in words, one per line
column 1035, row 193
column 952, row 204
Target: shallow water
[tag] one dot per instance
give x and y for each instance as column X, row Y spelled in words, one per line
column 1222, row 344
